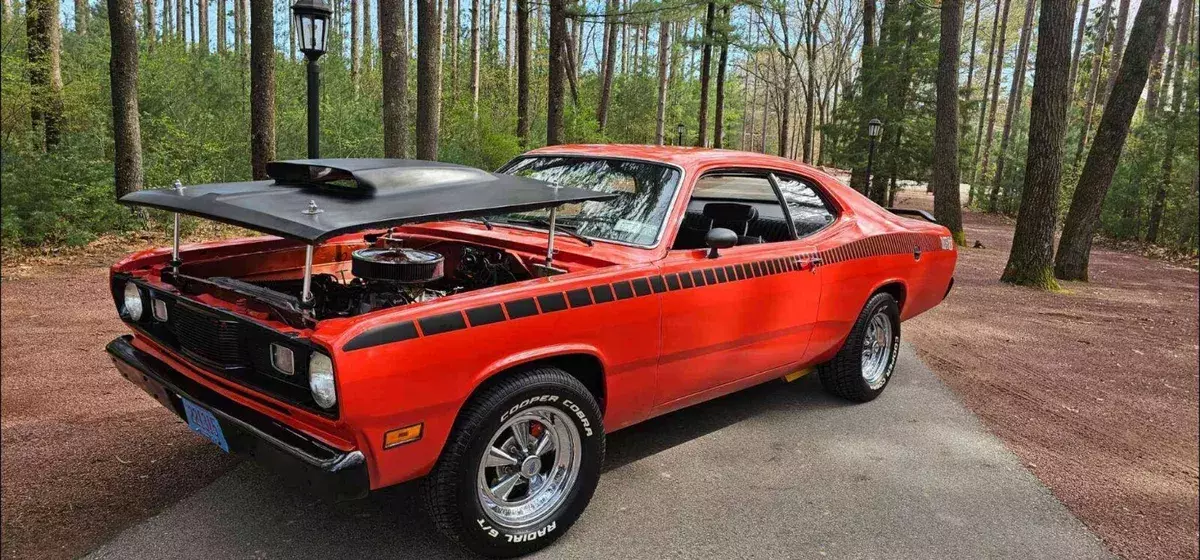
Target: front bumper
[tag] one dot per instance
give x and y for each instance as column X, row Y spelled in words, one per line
column 339, row 473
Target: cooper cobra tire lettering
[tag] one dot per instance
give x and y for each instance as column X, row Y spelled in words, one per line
column 527, row 402
column 587, row 426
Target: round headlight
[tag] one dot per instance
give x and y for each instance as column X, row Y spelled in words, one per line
column 320, row 380
column 133, row 302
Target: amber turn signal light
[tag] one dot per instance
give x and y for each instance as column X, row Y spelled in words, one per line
column 401, row 436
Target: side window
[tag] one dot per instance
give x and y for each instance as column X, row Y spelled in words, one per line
column 741, row 202
column 809, row 211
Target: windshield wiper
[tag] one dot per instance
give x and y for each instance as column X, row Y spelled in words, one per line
column 559, row 226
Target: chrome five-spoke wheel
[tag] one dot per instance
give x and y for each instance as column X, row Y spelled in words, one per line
column 529, row 467
column 877, row 350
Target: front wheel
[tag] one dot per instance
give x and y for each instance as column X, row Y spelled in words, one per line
column 520, row 466
column 862, row 368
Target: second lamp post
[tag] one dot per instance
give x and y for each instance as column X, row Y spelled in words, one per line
column 312, row 29
column 874, row 128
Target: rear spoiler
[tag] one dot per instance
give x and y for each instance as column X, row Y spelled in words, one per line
column 912, row 212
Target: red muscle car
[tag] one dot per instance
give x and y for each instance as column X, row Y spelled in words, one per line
column 409, row 319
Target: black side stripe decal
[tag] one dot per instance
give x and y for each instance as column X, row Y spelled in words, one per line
column 375, row 336
column 888, row 244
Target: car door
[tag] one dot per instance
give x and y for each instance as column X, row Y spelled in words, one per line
column 748, row 310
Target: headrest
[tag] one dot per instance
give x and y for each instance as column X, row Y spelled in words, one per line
column 730, row 212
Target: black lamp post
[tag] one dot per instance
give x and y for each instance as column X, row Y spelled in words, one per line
column 679, row 129
column 874, row 128
column 312, row 28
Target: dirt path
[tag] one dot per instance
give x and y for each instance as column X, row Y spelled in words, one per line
column 85, row 453
column 1095, row 389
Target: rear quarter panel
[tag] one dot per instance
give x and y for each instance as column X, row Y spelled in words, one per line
column 869, row 249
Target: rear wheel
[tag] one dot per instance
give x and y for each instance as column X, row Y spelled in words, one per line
column 520, row 466
column 862, row 368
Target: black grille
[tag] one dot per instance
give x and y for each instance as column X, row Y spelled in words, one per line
column 206, row 336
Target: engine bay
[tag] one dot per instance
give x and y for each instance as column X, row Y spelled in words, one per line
column 391, row 271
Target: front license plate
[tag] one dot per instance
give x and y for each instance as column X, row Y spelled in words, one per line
column 204, row 423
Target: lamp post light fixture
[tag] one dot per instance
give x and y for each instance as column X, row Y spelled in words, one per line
column 679, row 129
column 312, row 29
column 874, row 129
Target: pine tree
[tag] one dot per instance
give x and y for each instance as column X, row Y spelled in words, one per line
column 945, row 178
column 1031, row 259
column 1074, row 249
column 262, row 86
column 123, row 76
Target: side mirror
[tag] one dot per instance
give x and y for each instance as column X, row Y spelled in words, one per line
column 719, row 238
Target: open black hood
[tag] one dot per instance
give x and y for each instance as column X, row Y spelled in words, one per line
column 312, row 200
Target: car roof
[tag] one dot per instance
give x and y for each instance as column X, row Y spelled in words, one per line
column 682, row 156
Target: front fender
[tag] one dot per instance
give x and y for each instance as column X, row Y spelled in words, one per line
column 534, row 355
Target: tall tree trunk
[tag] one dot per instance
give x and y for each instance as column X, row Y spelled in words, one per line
column 45, row 74
column 148, row 24
column 429, row 79
column 1031, row 260
column 945, row 180
column 1153, row 102
column 181, row 20
column 766, row 106
column 971, row 60
column 785, row 115
column 239, row 26
column 245, row 29
column 664, row 61
column 1015, row 94
column 1079, row 35
column 1156, row 71
column 1118, row 47
column 494, row 28
column 523, row 70
column 572, row 71
column 722, row 62
column 705, row 72
column 609, row 64
column 223, row 27
column 1075, row 246
column 1094, row 81
column 262, row 86
column 355, row 46
column 451, row 36
column 983, row 109
column 868, row 26
column 393, row 59
column 167, row 18
column 1183, row 12
column 368, row 44
column 474, row 59
column 202, row 22
column 81, row 17
column 474, row 86
column 813, row 23
column 991, row 126
column 557, row 72
column 123, row 72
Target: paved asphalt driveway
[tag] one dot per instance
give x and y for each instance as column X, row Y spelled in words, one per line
column 777, row 471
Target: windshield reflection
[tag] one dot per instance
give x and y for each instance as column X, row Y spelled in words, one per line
column 644, row 193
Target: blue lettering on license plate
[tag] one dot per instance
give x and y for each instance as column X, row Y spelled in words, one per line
column 205, row 423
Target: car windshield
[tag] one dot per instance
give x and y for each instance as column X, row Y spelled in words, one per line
column 644, row 193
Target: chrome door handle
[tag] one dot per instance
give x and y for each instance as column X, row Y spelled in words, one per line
column 814, row 263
